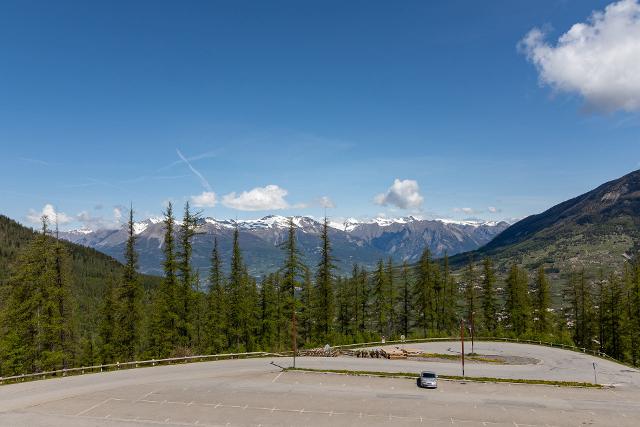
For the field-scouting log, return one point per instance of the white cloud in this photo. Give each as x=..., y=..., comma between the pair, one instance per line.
x=117, y=213
x=493, y=209
x=91, y=222
x=205, y=200
x=404, y=194
x=467, y=211
x=49, y=211
x=270, y=197
x=326, y=202
x=599, y=59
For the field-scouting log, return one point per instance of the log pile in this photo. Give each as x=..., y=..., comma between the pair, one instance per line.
x=320, y=352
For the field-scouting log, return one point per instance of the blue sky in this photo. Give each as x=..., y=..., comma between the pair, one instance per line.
x=301, y=100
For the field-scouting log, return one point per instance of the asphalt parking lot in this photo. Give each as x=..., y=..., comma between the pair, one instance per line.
x=254, y=393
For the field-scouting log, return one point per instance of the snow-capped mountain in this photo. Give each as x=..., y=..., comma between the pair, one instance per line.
x=353, y=241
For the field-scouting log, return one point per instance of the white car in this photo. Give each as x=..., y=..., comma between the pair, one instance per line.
x=428, y=379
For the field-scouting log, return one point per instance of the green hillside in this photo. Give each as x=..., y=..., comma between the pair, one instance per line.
x=89, y=270
x=597, y=230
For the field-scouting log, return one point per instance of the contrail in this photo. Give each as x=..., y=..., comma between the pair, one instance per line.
x=203, y=181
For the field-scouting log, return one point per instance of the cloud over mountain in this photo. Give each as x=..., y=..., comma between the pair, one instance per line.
x=50, y=212
x=270, y=197
x=403, y=194
x=205, y=200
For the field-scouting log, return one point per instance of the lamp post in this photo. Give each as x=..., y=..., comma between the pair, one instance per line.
x=294, y=335
x=462, y=344
x=472, y=329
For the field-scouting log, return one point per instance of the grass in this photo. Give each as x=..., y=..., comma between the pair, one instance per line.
x=449, y=377
x=475, y=357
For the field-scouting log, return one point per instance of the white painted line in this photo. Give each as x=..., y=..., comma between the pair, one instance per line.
x=93, y=407
x=145, y=396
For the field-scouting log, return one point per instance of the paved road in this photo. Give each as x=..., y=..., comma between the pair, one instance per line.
x=253, y=392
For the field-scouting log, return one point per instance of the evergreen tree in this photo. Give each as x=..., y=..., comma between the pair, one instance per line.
x=217, y=313
x=542, y=303
x=489, y=303
x=269, y=313
x=406, y=301
x=392, y=297
x=450, y=305
x=307, y=311
x=63, y=339
x=186, y=279
x=344, y=306
x=517, y=305
x=129, y=301
x=238, y=304
x=164, y=324
x=423, y=289
x=324, y=297
x=108, y=322
x=30, y=319
x=633, y=308
x=381, y=299
x=582, y=310
x=470, y=293
x=292, y=271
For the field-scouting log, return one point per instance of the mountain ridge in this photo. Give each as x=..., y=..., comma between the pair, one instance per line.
x=363, y=242
x=600, y=227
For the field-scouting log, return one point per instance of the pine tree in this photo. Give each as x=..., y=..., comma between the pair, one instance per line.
x=217, y=313
x=406, y=301
x=470, y=293
x=164, y=322
x=186, y=279
x=423, y=289
x=63, y=341
x=582, y=310
x=450, y=305
x=307, y=312
x=633, y=308
x=489, y=303
x=269, y=313
x=108, y=322
x=129, y=301
x=344, y=306
x=381, y=299
x=323, y=292
x=542, y=302
x=250, y=324
x=292, y=271
x=392, y=297
x=28, y=311
x=237, y=299
x=517, y=307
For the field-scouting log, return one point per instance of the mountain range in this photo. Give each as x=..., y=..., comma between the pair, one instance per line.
x=353, y=241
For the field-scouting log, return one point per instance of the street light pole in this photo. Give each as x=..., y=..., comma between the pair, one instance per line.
x=473, y=330
x=294, y=336
x=462, y=343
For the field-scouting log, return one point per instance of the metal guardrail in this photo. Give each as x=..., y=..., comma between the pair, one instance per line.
x=129, y=365
x=516, y=340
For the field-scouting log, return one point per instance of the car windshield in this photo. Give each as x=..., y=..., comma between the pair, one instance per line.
x=428, y=375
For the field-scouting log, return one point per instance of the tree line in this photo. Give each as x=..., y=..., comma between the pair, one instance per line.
x=190, y=312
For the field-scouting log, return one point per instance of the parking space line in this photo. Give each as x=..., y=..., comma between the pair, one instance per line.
x=93, y=407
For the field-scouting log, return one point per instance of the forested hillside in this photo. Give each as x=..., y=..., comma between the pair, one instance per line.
x=87, y=272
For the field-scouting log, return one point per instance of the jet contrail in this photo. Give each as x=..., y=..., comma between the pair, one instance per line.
x=203, y=181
